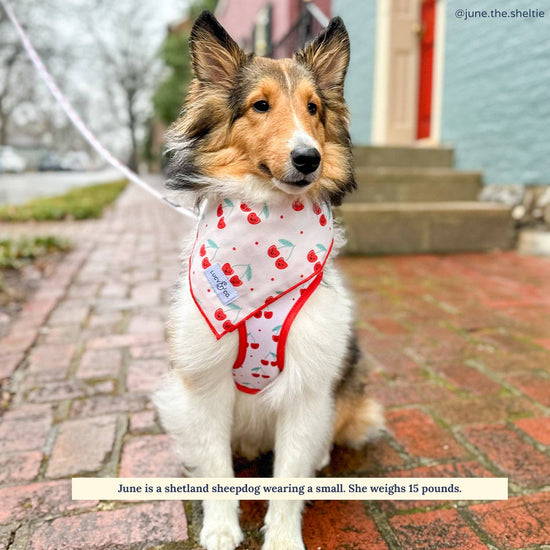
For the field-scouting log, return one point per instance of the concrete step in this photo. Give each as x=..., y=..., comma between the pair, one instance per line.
x=420, y=157
x=413, y=227
x=383, y=184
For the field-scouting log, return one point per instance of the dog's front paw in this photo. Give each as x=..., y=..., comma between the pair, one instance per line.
x=278, y=542
x=220, y=527
x=221, y=537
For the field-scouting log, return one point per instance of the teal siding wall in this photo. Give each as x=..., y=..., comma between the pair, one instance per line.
x=496, y=94
x=360, y=19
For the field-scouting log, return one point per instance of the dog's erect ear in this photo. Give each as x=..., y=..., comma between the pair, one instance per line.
x=328, y=56
x=215, y=56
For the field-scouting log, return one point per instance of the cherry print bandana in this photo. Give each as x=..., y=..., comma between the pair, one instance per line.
x=262, y=339
x=246, y=256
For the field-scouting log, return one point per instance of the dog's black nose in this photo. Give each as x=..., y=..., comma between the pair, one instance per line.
x=305, y=159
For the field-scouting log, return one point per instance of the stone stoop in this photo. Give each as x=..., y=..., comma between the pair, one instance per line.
x=411, y=200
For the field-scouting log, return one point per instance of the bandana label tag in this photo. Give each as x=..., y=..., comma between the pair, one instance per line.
x=220, y=284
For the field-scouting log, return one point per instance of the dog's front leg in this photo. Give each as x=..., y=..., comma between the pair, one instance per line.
x=302, y=441
x=220, y=529
x=200, y=424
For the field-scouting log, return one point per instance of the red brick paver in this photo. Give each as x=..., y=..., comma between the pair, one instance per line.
x=153, y=523
x=441, y=529
x=518, y=523
x=459, y=353
x=82, y=446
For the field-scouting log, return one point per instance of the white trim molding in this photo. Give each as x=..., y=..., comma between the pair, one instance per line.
x=439, y=70
x=381, y=73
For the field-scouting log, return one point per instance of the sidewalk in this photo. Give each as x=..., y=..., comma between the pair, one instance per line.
x=460, y=353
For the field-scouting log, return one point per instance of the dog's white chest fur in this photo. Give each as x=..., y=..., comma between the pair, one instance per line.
x=261, y=129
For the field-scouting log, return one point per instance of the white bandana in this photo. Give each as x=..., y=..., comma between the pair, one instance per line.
x=247, y=256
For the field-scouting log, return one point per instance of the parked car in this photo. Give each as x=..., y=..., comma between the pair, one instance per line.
x=75, y=160
x=50, y=162
x=10, y=161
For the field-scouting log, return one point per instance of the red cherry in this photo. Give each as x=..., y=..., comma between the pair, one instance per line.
x=235, y=281
x=264, y=362
x=253, y=218
x=258, y=314
x=268, y=314
x=245, y=207
x=273, y=251
x=202, y=250
x=317, y=266
x=297, y=205
x=219, y=211
x=221, y=223
x=273, y=363
x=254, y=345
x=206, y=263
x=227, y=269
x=275, y=338
x=269, y=299
x=265, y=375
x=220, y=315
x=316, y=208
x=256, y=375
x=227, y=325
x=311, y=256
x=323, y=220
x=280, y=263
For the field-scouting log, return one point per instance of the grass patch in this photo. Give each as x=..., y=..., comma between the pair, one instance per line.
x=78, y=204
x=14, y=254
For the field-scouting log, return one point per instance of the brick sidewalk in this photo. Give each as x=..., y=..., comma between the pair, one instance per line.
x=460, y=349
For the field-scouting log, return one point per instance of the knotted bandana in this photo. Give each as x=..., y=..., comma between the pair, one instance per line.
x=247, y=256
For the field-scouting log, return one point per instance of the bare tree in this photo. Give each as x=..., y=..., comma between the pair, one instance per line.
x=103, y=56
x=12, y=58
x=130, y=64
x=22, y=95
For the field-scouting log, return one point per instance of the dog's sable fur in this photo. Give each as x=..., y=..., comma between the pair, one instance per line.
x=203, y=142
x=245, y=120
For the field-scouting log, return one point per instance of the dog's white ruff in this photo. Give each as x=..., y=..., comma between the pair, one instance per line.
x=209, y=418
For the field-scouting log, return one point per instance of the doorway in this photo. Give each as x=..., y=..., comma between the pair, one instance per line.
x=408, y=71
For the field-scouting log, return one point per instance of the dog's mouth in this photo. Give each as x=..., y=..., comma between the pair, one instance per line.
x=285, y=184
x=265, y=169
x=300, y=183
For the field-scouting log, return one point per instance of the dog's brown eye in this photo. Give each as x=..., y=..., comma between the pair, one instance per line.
x=261, y=106
x=312, y=108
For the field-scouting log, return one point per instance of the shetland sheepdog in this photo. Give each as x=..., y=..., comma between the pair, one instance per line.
x=257, y=132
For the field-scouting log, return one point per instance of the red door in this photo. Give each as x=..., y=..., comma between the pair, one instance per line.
x=426, y=69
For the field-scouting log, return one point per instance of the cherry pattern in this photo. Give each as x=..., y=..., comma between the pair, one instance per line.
x=223, y=211
x=275, y=251
x=324, y=212
x=317, y=254
x=260, y=364
x=208, y=251
x=255, y=219
x=264, y=251
x=228, y=315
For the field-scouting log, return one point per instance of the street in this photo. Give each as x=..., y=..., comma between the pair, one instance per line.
x=18, y=188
